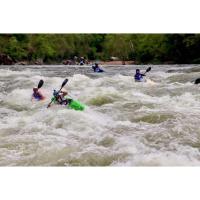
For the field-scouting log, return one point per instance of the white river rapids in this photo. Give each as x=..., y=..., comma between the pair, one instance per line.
x=125, y=123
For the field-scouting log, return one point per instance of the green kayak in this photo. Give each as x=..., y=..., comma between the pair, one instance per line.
x=73, y=104
x=76, y=105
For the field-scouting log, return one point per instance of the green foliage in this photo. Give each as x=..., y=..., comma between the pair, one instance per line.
x=143, y=48
x=118, y=45
x=15, y=49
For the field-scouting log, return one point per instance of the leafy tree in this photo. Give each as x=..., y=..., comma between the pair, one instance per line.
x=143, y=48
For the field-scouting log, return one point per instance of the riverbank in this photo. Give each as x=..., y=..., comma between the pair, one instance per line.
x=120, y=62
x=39, y=62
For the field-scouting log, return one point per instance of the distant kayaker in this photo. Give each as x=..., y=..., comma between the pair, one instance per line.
x=82, y=61
x=37, y=94
x=139, y=76
x=96, y=68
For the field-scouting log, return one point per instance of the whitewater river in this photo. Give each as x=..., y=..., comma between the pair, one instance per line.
x=156, y=123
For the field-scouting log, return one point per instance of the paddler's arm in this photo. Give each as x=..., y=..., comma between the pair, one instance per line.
x=42, y=96
x=32, y=97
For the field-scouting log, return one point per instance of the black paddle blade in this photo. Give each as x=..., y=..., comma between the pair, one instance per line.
x=148, y=69
x=64, y=82
x=197, y=81
x=40, y=84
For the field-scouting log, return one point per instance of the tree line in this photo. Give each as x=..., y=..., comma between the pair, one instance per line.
x=141, y=48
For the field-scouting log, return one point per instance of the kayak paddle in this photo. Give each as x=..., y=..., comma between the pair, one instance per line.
x=63, y=84
x=197, y=81
x=40, y=84
x=148, y=70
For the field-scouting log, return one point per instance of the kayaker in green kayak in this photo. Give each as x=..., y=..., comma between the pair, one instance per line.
x=60, y=98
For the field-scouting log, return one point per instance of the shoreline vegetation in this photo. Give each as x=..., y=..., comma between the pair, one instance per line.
x=106, y=49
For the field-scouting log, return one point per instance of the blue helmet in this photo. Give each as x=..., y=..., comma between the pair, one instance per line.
x=55, y=93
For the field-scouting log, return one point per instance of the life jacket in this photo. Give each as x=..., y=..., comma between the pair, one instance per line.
x=59, y=99
x=138, y=77
x=56, y=97
x=82, y=62
x=96, y=69
x=37, y=96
